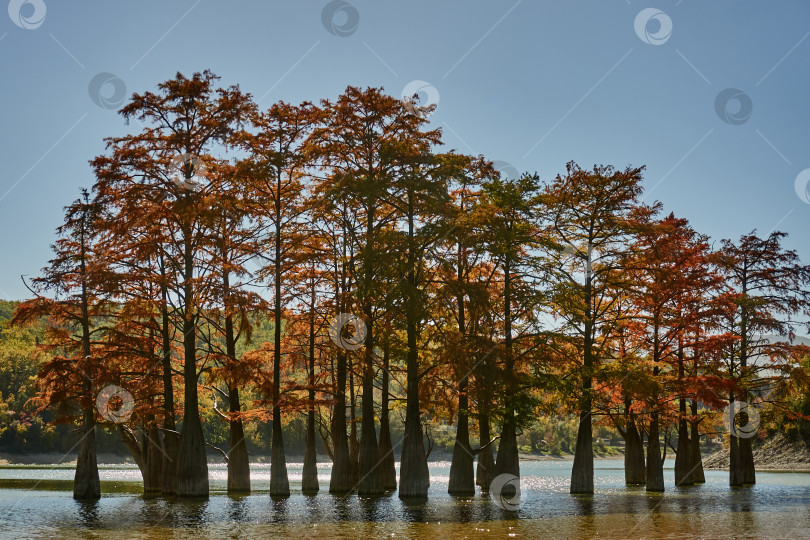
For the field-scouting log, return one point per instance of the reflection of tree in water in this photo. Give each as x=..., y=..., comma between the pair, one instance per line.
x=89, y=513
x=237, y=508
x=280, y=511
x=187, y=513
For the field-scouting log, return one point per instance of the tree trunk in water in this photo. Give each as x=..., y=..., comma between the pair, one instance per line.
x=340, y=481
x=748, y=472
x=485, y=469
x=354, y=443
x=370, y=479
x=508, y=462
x=309, y=478
x=735, y=476
x=634, y=467
x=414, y=478
x=582, y=470
x=655, y=465
x=171, y=441
x=279, y=483
x=86, y=484
x=734, y=466
x=309, y=475
x=152, y=461
x=238, y=460
x=389, y=469
x=697, y=461
x=171, y=445
x=683, y=456
x=192, y=464
x=462, y=481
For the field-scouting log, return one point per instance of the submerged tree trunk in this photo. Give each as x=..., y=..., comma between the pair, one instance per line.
x=462, y=480
x=171, y=441
x=655, y=464
x=309, y=475
x=582, y=470
x=340, y=481
x=86, y=485
x=388, y=465
x=485, y=469
x=734, y=466
x=747, y=470
x=698, y=477
x=683, y=456
x=414, y=478
x=279, y=482
x=462, y=477
x=192, y=464
x=309, y=478
x=370, y=479
x=354, y=443
x=152, y=471
x=508, y=461
x=634, y=466
x=238, y=460
x=735, y=477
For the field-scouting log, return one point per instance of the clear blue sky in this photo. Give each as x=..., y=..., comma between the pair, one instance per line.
x=532, y=83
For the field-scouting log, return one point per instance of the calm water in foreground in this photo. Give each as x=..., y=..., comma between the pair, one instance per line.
x=35, y=502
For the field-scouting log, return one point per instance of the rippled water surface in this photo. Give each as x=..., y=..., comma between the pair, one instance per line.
x=35, y=502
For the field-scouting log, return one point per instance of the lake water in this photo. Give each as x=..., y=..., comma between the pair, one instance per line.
x=35, y=502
